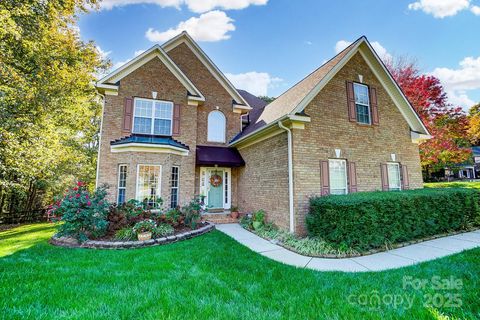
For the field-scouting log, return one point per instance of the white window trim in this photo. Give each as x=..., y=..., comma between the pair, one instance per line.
x=346, y=174
x=118, y=180
x=224, y=127
x=159, y=187
x=152, y=116
x=399, y=176
x=177, y=187
x=363, y=104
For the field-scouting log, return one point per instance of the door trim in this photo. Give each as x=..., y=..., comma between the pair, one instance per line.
x=205, y=185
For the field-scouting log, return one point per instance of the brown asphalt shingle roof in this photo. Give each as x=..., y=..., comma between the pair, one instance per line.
x=288, y=100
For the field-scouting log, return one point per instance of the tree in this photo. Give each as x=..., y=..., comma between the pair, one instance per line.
x=447, y=124
x=474, y=124
x=49, y=110
x=267, y=99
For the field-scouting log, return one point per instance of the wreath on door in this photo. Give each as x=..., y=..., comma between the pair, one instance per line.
x=215, y=179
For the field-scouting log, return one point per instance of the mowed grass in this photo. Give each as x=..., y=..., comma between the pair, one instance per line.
x=212, y=277
x=454, y=184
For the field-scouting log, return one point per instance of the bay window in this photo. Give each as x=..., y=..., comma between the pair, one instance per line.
x=122, y=183
x=148, y=185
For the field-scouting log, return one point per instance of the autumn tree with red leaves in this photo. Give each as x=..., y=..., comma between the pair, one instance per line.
x=448, y=125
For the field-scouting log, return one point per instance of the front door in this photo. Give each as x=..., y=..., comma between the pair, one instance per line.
x=215, y=186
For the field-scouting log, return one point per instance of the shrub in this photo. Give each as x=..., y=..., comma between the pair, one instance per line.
x=193, y=213
x=174, y=217
x=83, y=214
x=144, y=226
x=163, y=230
x=125, y=234
x=369, y=220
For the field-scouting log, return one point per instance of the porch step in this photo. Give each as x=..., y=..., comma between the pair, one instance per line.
x=219, y=218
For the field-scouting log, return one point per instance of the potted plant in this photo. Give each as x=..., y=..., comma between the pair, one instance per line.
x=144, y=229
x=234, y=213
x=258, y=219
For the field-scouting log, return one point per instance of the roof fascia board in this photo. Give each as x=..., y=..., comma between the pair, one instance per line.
x=207, y=62
x=146, y=147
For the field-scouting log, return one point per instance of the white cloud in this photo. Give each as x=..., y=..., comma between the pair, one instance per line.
x=198, y=6
x=211, y=26
x=381, y=51
x=440, y=8
x=254, y=82
x=475, y=10
x=138, y=52
x=103, y=54
x=308, y=43
x=458, y=81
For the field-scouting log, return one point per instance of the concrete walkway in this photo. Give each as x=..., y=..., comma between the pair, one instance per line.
x=391, y=259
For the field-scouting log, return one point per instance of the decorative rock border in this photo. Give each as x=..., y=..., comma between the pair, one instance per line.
x=96, y=244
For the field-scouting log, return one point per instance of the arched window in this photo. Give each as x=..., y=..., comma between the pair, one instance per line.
x=216, y=127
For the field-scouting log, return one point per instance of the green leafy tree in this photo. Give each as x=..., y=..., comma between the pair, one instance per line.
x=49, y=110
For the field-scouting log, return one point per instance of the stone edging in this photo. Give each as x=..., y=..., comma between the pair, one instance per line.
x=365, y=253
x=95, y=244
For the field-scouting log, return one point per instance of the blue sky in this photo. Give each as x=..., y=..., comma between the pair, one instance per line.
x=265, y=46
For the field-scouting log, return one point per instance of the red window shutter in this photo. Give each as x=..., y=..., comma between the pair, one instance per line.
x=325, y=178
x=352, y=177
x=405, y=181
x=176, y=120
x=127, y=115
x=352, y=109
x=374, y=105
x=384, y=175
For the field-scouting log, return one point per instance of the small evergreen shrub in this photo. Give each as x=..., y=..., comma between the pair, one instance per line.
x=162, y=230
x=368, y=220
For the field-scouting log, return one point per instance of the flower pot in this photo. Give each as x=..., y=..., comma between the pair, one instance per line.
x=144, y=236
x=234, y=214
x=257, y=225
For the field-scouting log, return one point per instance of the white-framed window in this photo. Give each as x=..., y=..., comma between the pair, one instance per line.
x=149, y=184
x=394, y=179
x=216, y=126
x=362, y=103
x=122, y=183
x=152, y=117
x=174, y=182
x=337, y=169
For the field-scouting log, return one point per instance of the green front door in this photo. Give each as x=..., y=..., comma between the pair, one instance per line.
x=215, y=194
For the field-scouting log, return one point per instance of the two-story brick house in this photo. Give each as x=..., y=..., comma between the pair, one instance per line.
x=174, y=127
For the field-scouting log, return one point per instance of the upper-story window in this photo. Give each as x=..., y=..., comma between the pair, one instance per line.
x=362, y=103
x=152, y=117
x=216, y=127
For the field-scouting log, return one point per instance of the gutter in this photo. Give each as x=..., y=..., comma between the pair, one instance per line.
x=99, y=139
x=290, y=175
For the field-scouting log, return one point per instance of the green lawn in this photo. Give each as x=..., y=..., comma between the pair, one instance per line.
x=211, y=276
x=455, y=184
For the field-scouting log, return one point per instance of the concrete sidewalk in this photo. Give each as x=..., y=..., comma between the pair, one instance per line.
x=391, y=259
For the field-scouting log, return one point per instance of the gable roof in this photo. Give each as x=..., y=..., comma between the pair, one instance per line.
x=294, y=100
x=184, y=37
x=110, y=81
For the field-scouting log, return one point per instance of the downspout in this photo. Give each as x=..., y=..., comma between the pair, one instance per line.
x=290, y=175
x=99, y=139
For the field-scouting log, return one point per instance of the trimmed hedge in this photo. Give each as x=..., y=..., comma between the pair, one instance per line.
x=368, y=220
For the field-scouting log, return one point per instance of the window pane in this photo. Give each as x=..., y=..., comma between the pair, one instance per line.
x=174, y=188
x=148, y=185
x=163, y=110
x=142, y=125
x=394, y=182
x=162, y=127
x=338, y=176
x=143, y=108
x=363, y=116
x=121, y=196
x=216, y=127
x=361, y=93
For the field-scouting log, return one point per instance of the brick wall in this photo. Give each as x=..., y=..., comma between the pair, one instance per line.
x=368, y=146
x=263, y=182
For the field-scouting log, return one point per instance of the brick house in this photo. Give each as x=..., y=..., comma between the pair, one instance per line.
x=174, y=127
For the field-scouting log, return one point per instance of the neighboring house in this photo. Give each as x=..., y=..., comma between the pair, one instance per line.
x=468, y=170
x=174, y=127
